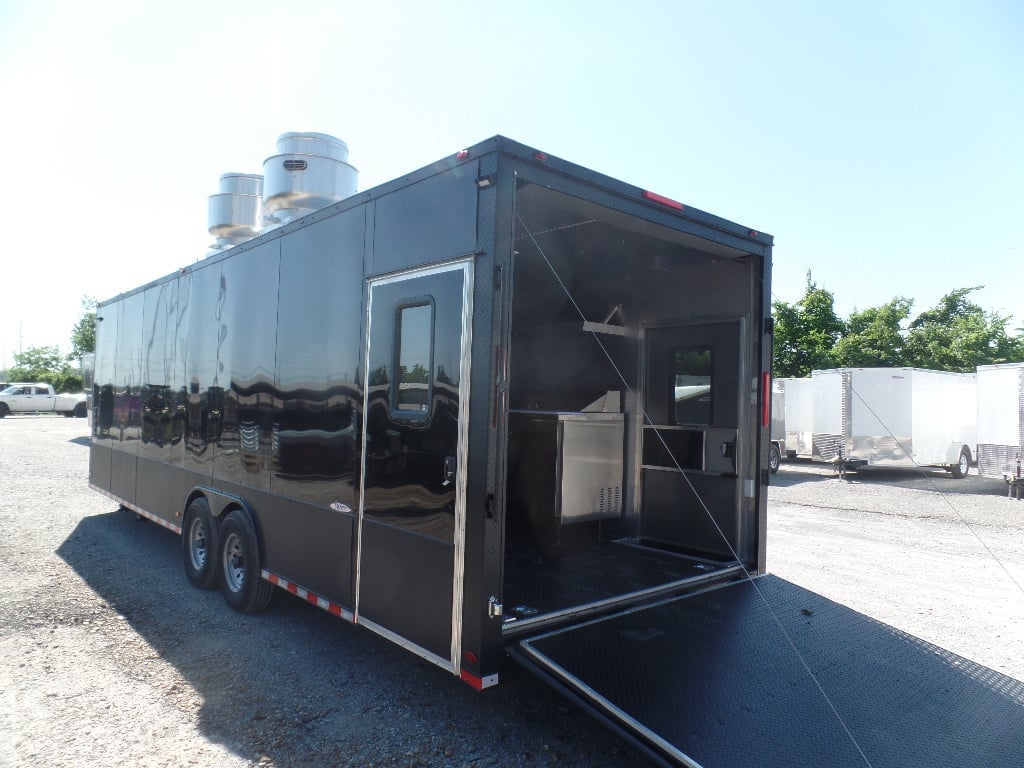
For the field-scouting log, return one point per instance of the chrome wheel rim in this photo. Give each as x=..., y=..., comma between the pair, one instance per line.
x=234, y=563
x=198, y=547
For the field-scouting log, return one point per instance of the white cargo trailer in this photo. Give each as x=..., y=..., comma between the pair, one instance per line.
x=1001, y=422
x=777, y=447
x=798, y=394
x=895, y=417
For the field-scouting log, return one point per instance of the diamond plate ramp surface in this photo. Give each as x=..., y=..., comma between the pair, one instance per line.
x=711, y=680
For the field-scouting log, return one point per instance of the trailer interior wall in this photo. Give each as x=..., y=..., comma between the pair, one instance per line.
x=676, y=353
x=1000, y=419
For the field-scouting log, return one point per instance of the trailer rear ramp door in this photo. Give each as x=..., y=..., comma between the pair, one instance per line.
x=711, y=680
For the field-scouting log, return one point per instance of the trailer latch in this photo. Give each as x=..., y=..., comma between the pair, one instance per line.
x=494, y=608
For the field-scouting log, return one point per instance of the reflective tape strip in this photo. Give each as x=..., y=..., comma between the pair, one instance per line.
x=138, y=510
x=479, y=683
x=310, y=597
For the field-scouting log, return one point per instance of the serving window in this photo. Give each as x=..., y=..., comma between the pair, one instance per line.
x=691, y=372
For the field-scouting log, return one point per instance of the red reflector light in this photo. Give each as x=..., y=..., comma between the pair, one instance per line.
x=766, y=399
x=462, y=154
x=656, y=198
x=471, y=657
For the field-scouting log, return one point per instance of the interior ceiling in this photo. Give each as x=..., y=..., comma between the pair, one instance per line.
x=550, y=216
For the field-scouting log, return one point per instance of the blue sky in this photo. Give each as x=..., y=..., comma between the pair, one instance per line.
x=881, y=143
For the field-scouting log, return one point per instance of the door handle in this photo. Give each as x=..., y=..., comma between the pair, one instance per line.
x=449, y=470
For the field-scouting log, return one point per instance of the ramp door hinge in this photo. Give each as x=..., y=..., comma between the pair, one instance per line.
x=494, y=608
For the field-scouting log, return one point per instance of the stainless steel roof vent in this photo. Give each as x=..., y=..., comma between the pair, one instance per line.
x=310, y=171
x=235, y=213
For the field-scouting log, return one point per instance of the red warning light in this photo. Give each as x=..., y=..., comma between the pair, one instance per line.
x=766, y=398
x=656, y=198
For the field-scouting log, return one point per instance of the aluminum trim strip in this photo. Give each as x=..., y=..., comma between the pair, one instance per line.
x=517, y=627
x=604, y=704
x=397, y=639
x=461, y=470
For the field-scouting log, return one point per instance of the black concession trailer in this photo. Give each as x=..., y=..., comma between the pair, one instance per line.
x=501, y=406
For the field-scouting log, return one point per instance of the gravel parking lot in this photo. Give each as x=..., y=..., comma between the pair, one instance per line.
x=108, y=656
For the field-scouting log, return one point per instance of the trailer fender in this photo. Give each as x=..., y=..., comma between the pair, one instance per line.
x=222, y=503
x=958, y=459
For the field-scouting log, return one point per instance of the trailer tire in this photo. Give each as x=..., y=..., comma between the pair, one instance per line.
x=80, y=411
x=774, y=458
x=963, y=464
x=4, y=410
x=199, y=532
x=241, y=583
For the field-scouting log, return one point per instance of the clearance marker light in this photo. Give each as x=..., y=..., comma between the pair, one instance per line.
x=656, y=198
x=462, y=154
x=766, y=398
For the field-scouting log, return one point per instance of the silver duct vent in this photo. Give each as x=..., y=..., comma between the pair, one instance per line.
x=309, y=172
x=235, y=213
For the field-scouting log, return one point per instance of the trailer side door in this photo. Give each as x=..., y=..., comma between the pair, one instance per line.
x=412, y=509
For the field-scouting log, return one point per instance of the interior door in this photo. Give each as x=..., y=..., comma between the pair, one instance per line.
x=412, y=509
x=691, y=398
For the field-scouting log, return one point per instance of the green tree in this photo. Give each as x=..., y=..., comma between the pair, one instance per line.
x=45, y=364
x=874, y=336
x=806, y=332
x=418, y=374
x=83, y=335
x=958, y=335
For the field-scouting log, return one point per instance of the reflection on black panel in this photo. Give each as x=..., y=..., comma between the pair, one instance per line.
x=415, y=325
x=204, y=330
x=412, y=417
x=244, y=367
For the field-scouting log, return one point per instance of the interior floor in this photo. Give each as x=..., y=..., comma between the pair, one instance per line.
x=569, y=577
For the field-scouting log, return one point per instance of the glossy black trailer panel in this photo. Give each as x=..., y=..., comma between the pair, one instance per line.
x=715, y=680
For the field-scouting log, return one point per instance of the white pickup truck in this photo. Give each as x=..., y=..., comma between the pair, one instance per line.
x=39, y=398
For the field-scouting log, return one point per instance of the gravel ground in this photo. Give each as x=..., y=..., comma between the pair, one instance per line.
x=109, y=657
x=939, y=558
